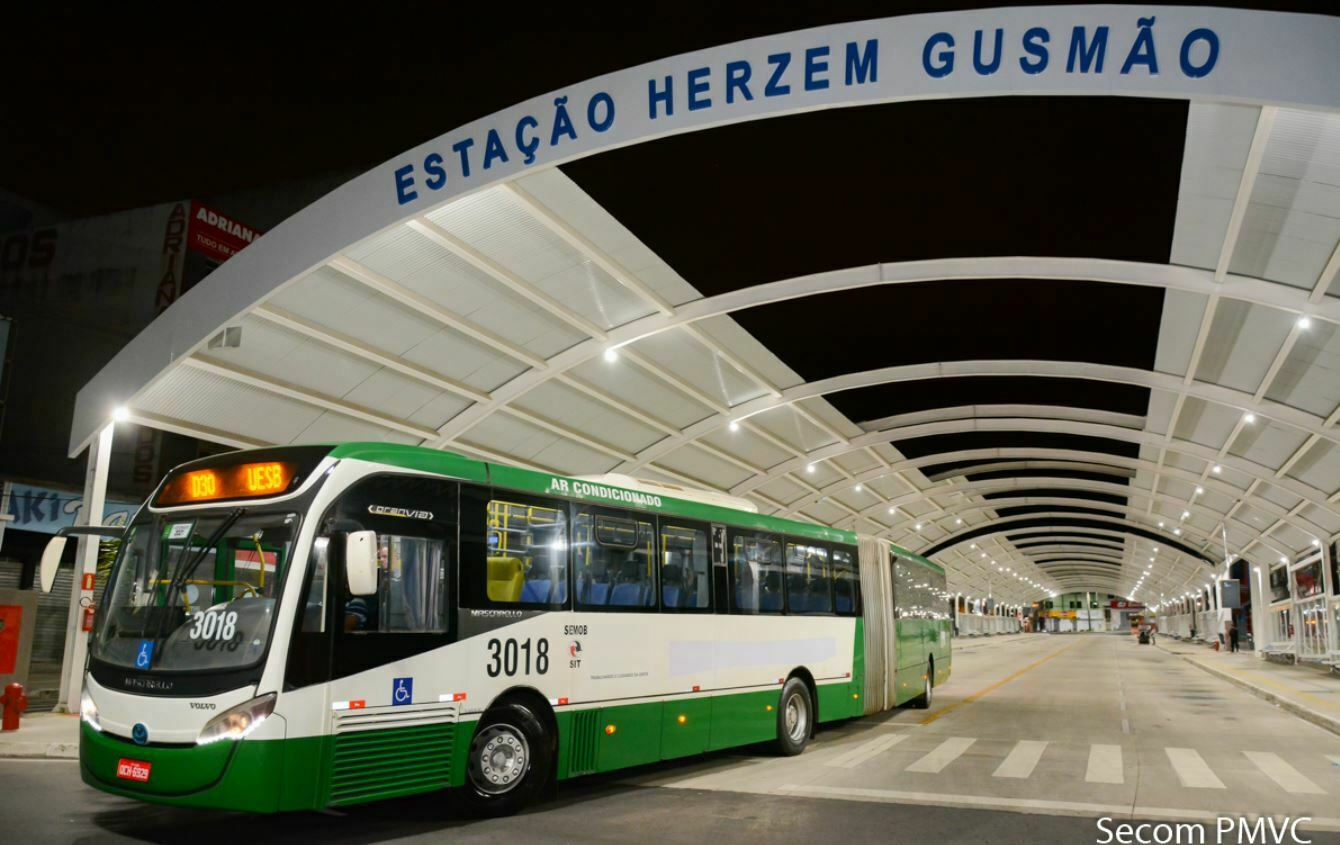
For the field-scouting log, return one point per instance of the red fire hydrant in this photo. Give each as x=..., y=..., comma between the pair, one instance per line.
x=13, y=702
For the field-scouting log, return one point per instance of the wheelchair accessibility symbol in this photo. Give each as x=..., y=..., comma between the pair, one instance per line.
x=402, y=691
x=145, y=654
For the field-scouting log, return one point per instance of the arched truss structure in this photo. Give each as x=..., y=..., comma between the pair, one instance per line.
x=523, y=322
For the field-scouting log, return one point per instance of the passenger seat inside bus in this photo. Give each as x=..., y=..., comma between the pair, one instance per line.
x=673, y=593
x=505, y=579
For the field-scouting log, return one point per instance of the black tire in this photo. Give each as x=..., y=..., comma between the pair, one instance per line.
x=923, y=701
x=795, y=718
x=510, y=758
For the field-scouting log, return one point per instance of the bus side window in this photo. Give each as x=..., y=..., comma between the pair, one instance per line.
x=314, y=608
x=613, y=560
x=756, y=573
x=686, y=572
x=846, y=584
x=414, y=519
x=527, y=554
x=808, y=588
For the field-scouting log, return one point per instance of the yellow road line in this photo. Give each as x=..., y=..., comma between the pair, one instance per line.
x=1002, y=682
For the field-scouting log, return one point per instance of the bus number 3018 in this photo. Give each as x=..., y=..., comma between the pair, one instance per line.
x=506, y=657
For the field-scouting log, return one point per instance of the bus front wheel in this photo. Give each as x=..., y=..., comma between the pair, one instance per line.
x=795, y=717
x=509, y=761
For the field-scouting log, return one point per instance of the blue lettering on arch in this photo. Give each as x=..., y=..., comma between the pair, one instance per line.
x=944, y=60
x=816, y=62
x=737, y=77
x=780, y=62
x=437, y=174
x=404, y=185
x=698, y=85
x=1088, y=53
x=665, y=96
x=1034, y=41
x=862, y=66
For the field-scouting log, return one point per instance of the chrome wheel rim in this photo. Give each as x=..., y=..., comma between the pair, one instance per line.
x=797, y=717
x=501, y=759
x=929, y=687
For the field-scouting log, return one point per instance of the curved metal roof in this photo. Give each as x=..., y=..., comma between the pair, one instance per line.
x=731, y=308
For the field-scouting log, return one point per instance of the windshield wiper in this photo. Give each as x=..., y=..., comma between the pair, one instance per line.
x=179, y=577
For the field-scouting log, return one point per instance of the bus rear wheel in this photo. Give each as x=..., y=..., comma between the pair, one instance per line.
x=923, y=702
x=509, y=761
x=795, y=718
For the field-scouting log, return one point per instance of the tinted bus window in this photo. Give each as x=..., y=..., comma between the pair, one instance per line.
x=846, y=583
x=527, y=553
x=808, y=584
x=755, y=573
x=613, y=560
x=686, y=575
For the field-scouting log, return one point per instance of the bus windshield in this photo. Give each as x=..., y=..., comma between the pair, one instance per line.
x=195, y=590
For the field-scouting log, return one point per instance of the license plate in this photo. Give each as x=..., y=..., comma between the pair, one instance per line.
x=133, y=770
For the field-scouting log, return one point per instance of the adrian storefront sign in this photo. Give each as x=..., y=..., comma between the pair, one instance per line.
x=215, y=236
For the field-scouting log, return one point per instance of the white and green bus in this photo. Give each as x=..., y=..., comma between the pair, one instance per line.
x=301, y=627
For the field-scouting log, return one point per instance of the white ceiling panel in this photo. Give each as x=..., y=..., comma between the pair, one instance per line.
x=748, y=447
x=695, y=364
x=331, y=299
x=1320, y=467
x=744, y=348
x=1203, y=423
x=336, y=428
x=1217, y=140
x=794, y=428
x=1292, y=224
x=1243, y=341
x=574, y=410
x=1267, y=444
x=556, y=192
x=292, y=358
x=1277, y=495
x=1182, y=313
x=1310, y=377
x=223, y=404
x=696, y=463
x=456, y=357
x=417, y=263
x=496, y=224
x=642, y=390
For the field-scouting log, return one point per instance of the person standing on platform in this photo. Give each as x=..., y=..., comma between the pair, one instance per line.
x=1232, y=636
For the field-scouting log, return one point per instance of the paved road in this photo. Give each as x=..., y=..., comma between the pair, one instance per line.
x=1032, y=740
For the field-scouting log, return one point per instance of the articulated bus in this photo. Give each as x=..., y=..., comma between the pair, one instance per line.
x=312, y=626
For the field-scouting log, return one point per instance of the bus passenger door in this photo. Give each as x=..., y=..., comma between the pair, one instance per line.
x=909, y=642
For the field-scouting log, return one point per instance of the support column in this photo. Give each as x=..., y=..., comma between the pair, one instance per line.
x=86, y=564
x=1260, y=609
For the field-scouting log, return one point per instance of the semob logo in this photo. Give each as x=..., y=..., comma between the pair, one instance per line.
x=1239, y=830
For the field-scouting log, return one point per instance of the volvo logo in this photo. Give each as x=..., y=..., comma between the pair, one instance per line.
x=140, y=733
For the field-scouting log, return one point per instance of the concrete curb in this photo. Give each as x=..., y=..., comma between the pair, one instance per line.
x=39, y=751
x=1321, y=720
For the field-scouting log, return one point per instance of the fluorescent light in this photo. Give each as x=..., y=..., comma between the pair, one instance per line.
x=120, y=413
x=611, y=354
x=1304, y=322
x=734, y=425
x=1249, y=418
x=810, y=469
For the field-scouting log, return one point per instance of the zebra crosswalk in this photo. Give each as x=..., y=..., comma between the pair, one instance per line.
x=1104, y=763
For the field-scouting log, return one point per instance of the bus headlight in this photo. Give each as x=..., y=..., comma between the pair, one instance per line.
x=237, y=722
x=88, y=711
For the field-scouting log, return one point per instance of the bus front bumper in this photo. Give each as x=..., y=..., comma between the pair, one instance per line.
x=262, y=776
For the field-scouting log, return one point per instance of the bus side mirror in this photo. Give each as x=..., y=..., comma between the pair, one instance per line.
x=360, y=562
x=51, y=556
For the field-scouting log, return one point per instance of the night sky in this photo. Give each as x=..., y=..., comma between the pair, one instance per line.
x=103, y=111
